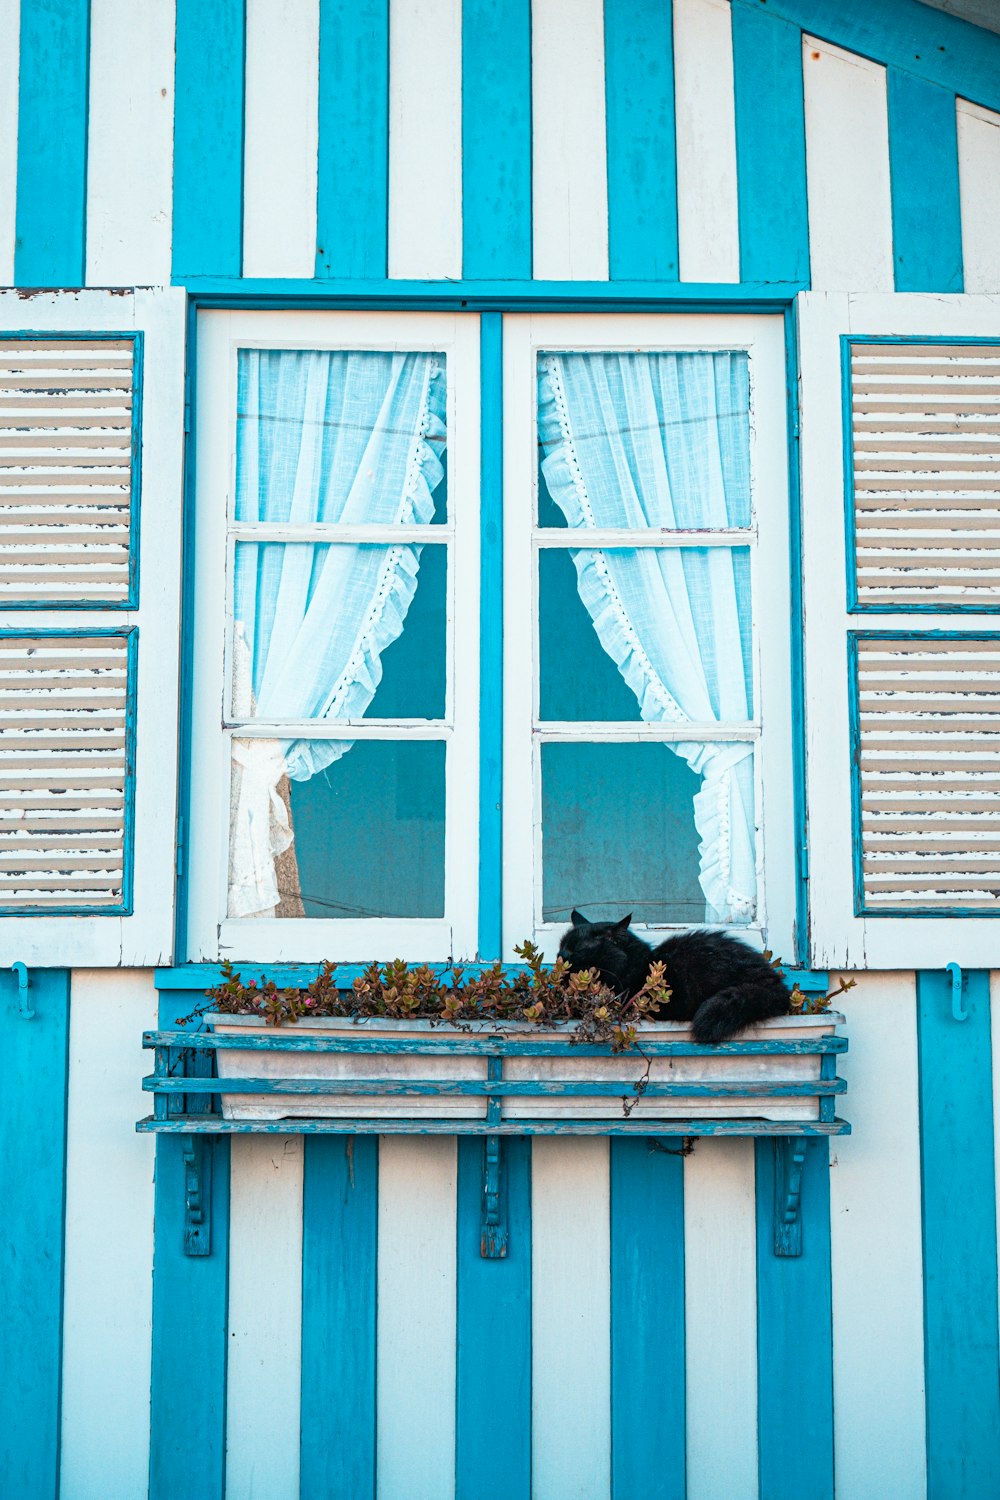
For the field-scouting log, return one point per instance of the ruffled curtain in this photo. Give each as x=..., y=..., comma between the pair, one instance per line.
x=354, y=438
x=662, y=441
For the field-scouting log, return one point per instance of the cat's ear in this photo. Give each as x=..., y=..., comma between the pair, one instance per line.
x=578, y=919
x=624, y=925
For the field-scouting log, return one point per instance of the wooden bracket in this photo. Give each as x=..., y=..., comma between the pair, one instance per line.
x=789, y=1162
x=197, y=1194
x=493, y=1239
x=24, y=1007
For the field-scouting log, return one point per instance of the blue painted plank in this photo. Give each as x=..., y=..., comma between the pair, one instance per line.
x=496, y=138
x=339, y=1254
x=51, y=212
x=208, y=138
x=648, y=1454
x=32, y=1186
x=795, y=1338
x=770, y=147
x=352, y=201
x=642, y=158
x=493, y=1344
x=923, y=171
x=491, y=637
x=187, y=1455
x=494, y=293
x=960, y=1245
x=906, y=34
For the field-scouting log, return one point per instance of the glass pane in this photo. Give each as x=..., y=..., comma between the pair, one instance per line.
x=619, y=833
x=339, y=631
x=354, y=828
x=656, y=633
x=334, y=435
x=639, y=440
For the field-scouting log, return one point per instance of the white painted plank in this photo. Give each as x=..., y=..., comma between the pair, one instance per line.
x=707, y=209
x=847, y=170
x=107, y=1310
x=130, y=142
x=875, y=1230
x=280, y=153
x=425, y=138
x=979, y=185
x=417, y=1208
x=570, y=1318
x=265, y=1318
x=569, y=141
x=720, y=1311
x=10, y=55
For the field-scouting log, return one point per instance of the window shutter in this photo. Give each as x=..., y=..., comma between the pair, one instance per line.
x=900, y=469
x=91, y=415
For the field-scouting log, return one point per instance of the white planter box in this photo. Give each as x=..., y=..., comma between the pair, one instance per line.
x=721, y=1067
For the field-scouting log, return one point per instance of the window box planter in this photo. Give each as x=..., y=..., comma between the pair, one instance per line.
x=378, y=1069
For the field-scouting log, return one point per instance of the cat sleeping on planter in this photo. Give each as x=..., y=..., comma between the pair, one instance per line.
x=717, y=983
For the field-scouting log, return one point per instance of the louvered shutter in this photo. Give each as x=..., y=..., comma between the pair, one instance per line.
x=900, y=469
x=91, y=417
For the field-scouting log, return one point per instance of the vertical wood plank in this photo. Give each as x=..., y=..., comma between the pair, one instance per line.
x=208, y=138
x=878, y=1333
x=130, y=148
x=493, y=1343
x=707, y=204
x=352, y=215
x=491, y=545
x=794, y=1337
x=847, y=168
x=770, y=147
x=496, y=138
x=279, y=159
x=416, y=1318
x=265, y=1316
x=571, y=1313
x=10, y=67
x=107, y=1316
x=995, y=1038
x=923, y=168
x=960, y=1239
x=979, y=177
x=187, y=1458
x=32, y=1182
x=642, y=157
x=339, y=1257
x=721, y=1319
x=647, y=1321
x=425, y=134
x=569, y=141
x=50, y=249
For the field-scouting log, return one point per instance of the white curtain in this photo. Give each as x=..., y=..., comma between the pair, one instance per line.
x=662, y=441
x=355, y=438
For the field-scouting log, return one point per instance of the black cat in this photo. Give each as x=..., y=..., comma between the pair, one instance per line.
x=718, y=983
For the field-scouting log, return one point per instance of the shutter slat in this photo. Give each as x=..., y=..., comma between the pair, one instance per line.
x=63, y=773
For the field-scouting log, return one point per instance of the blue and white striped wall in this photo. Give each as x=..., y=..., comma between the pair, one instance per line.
x=796, y=141
x=345, y=1338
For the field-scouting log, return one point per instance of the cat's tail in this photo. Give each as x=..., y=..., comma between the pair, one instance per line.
x=730, y=1010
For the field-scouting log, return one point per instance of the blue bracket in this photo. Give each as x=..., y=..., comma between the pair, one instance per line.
x=24, y=1009
x=197, y=1153
x=493, y=1237
x=789, y=1161
x=958, y=1010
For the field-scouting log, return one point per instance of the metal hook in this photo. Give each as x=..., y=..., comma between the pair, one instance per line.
x=24, y=1009
x=958, y=1010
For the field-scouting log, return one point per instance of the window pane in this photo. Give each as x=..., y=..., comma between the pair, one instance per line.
x=643, y=440
x=333, y=435
x=656, y=633
x=353, y=828
x=622, y=832
x=338, y=631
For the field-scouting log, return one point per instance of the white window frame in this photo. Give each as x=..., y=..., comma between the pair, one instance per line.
x=762, y=337
x=211, y=933
x=838, y=937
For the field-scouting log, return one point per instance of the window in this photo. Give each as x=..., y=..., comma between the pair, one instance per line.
x=336, y=779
